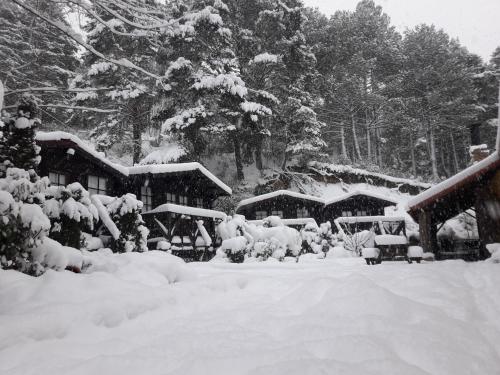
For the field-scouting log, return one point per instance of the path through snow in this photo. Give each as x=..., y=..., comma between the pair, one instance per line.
x=317, y=317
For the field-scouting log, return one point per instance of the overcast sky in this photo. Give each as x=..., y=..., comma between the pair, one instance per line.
x=476, y=23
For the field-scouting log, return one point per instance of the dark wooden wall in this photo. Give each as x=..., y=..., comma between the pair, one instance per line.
x=372, y=206
x=287, y=204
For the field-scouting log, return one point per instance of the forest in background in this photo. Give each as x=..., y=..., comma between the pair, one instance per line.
x=268, y=81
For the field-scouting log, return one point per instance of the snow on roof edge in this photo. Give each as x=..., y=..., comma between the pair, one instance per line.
x=450, y=182
x=273, y=194
x=348, y=168
x=186, y=210
x=178, y=167
x=360, y=192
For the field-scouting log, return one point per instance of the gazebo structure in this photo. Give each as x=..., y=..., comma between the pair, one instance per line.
x=476, y=188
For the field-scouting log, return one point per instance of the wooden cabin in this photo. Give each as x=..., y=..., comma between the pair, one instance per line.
x=357, y=203
x=476, y=188
x=66, y=159
x=283, y=203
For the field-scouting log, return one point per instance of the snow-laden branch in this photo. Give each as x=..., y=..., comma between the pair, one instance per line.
x=80, y=108
x=57, y=89
x=77, y=38
x=162, y=25
x=94, y=15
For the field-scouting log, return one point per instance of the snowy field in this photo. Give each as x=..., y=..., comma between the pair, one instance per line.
x=152, y=314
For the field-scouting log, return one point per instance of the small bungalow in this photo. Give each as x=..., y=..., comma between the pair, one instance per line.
x=283, y=203
x=475, y=190
x=357, y=203
x=67, y=159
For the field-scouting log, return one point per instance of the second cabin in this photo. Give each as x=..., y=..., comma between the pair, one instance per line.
x=283, y=203
x=357, y=203
x=291, y=205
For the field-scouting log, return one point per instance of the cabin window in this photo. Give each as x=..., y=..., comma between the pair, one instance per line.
x=346, y=213
x=97, y=185
x=277, y=213
x=199, y=202
x=147, y=198
x=259, y=215
x=361, y=213
x=302, y=212
x=57, y=179
x=171, y=198
x=183, y=200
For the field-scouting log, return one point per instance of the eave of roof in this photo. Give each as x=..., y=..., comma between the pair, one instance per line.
x=360, y=192
x=186, y=210
x=278, y=193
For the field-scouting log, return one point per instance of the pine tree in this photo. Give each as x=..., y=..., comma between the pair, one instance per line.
x=124, y=94
x=22, y=149
x=206, y=93
x=35, y=55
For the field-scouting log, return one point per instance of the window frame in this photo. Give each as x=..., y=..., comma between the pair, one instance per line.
x=302, y=213
x=260, y=215
x=99, y=190
x=146, y=198
x=58, y=175
x=278, y=213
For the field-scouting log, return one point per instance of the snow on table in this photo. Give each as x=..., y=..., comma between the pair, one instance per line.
x=152, y=314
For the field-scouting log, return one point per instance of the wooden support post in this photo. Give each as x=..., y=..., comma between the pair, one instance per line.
x=428, y=232
x=487, y=207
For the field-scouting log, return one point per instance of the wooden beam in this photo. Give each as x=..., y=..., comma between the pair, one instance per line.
x=428, y=232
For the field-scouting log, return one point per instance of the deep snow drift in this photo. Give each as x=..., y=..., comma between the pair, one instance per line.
x=152, y=314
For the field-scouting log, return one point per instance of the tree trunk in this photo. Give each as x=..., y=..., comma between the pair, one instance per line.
x=137, y=139
x=412, y=152
x=368, y=142
x=379, y=150
x=136, y=136
x=433, y=156
x=342, y=142
x=355, y=138
x=454, y=151
x=237, y=157
x=258, y=153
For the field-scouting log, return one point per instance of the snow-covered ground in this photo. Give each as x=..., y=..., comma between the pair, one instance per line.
x=152, y=314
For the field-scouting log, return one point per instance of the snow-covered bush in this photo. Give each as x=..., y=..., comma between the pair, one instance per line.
x=242, y=239
x=318, y=239
x=125, y=212
x=494, y=249
x=51, y=254
x=71, y=212
x=23, y=227
x=359, y=240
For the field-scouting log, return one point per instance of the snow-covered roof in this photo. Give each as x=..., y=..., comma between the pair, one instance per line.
x=338, y=168
x=278, y=193
x=178, y=167
x=135, y=170
x=288, y=222
x=86, y=147
x=455, y=182
x=360, y=192
x=186, y=210
x=368, y=219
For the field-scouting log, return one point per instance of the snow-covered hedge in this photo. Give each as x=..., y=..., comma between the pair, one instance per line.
x=71, y=213
x=318, y=240
x=241, y=240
